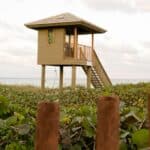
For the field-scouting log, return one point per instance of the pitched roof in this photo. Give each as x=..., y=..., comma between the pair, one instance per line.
x=65, y=20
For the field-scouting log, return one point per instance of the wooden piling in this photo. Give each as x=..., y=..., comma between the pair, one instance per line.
x=61, y=76
x=73, y=77
x=75, y=42
x=47, y=126
x=107, y=134
x=43, y=77
x=88, y=77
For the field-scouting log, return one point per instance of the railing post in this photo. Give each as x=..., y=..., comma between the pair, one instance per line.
x=85, y=52
x=88, y=53
x=47, y=126
x=80, y=53
x=107, y=134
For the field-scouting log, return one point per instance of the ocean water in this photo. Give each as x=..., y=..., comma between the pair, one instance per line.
x=54, y=82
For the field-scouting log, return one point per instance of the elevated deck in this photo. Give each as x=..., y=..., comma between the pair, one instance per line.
x=88, y=57
x=82, y=57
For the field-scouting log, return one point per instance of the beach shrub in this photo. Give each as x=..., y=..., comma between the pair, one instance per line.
x=18, y=106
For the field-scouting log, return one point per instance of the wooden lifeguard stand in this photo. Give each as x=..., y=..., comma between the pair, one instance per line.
x=58, y=46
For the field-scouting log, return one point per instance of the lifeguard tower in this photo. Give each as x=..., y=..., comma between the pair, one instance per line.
x=58, y=46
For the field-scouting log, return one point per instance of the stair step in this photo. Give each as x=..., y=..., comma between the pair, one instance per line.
x=95, y=77
x=96, y=81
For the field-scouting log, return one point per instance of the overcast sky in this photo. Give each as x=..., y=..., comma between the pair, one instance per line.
x=124, y=50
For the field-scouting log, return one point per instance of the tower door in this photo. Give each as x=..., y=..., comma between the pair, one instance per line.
x=69, y=45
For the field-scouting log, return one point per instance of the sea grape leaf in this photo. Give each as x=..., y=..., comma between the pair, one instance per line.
x=4, y=102
x=124, y=134
x=141, y=138
x=59, y=147
x=76, y=147
x=19, y=116
x=12, y=120
x=89, y=132
x=123, y=145
x=131, y=118
x=2, y=122
x=15, y=146
x=77, y=119
x=22, y=129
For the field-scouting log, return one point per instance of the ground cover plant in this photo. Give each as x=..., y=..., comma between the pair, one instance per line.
x=18, y=106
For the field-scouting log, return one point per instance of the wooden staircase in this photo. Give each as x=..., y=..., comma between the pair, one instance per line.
x=99, y=77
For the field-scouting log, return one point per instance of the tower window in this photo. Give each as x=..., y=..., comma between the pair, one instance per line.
x=50, y=36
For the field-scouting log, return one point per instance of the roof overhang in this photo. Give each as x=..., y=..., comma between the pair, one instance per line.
x=84, y=27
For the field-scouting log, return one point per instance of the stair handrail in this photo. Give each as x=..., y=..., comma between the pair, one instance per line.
x=103, y=70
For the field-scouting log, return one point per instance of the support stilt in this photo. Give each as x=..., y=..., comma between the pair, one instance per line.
x=73, y=77
x=43, y=77
x=61, y=78
x=75, y=42
x=92, y=44
x=88, y=76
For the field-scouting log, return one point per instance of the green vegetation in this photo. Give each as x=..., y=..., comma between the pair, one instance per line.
x=18, y=106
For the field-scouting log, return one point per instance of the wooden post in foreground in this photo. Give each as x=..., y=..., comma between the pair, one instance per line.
x=148, y=107
x=107, y=134
x=43, y=77
x=47, y=126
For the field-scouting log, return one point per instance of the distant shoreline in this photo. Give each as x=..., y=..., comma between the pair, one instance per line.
x=54, y=82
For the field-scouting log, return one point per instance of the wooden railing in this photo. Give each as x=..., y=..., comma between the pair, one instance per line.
x=83, y=52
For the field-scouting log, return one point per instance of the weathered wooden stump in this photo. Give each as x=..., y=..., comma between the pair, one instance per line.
x=107, y=134
x=47, y=129
x=148, y=107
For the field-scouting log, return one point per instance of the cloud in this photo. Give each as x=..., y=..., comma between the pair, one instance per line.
x=19, y=1
x=125, y=64
x=18, y=31
x=16, y=40
x=118, y=5
x=20, y=52
x=123, y=50
x=143, y=5
x=146, y=44
x=10, y=27
x=122, y=58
